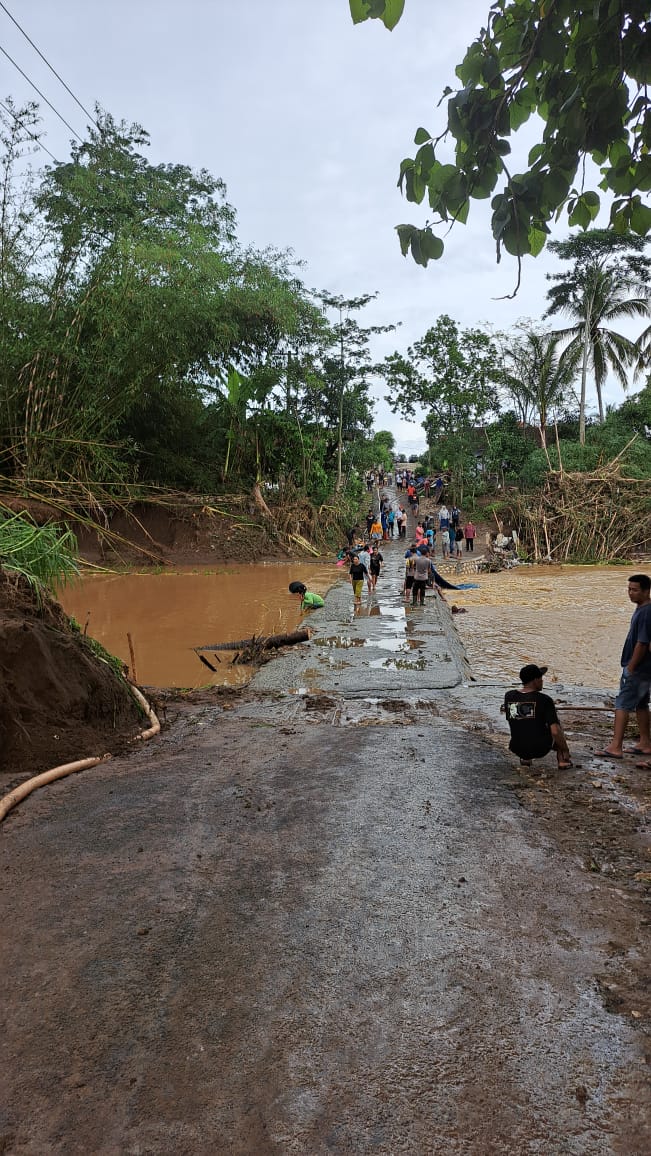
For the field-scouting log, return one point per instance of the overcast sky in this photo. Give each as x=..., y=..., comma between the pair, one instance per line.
x=306, y=118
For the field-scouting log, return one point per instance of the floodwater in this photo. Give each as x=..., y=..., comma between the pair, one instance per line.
x=573, y=619
x=168, y=613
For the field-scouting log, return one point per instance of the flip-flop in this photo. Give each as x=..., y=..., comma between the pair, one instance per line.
x=565, y=766
x=638, y=751
x=645, y=766
x=608, y=755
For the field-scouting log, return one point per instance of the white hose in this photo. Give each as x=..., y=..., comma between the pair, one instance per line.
x=8, y=802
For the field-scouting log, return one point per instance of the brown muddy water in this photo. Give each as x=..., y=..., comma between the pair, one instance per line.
x=573, y=619
x=170, y=612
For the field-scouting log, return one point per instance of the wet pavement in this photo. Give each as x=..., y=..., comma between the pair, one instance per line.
x=317, y=919
x=384, y=646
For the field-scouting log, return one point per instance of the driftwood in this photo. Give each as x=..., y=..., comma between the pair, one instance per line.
x=270, y=642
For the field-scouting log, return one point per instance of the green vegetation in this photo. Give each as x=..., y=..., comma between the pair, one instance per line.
x=46, y=556
x=144, y=346
x=583, y=67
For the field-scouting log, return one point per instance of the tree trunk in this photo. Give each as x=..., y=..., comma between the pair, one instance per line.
x=260, y=502
x=261, y=642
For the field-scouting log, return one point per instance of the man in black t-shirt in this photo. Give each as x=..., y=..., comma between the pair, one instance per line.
x=533, y=721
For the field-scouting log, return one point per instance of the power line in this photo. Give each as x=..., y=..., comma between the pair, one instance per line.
x=33, y=135
x=46, y=61
x=41, y=94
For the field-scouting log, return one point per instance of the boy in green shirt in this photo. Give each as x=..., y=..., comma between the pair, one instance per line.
x=309, y=601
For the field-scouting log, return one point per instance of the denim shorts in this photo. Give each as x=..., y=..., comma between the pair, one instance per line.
x=633, y=692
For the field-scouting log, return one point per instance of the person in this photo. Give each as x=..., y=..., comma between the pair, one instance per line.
x=391, y=518
x=444, y=518
x=309, y=601
x=410, y=558
x=351, y=534
x=370, y=518
x=455, y=516
x=635, y=681
x=376, y=528
x=458, y=539
x=358, y=573
x=421, y=574
x=445, y=542
x=376, y=566
x=364, y=556
x=533, y=721
x=470, y=533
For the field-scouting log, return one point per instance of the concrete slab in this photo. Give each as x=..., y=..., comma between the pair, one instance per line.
x=381, y=647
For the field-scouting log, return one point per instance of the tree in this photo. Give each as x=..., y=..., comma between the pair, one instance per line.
x=348, y=367
x=537, y=376
x=608, y=281
x=131, y=314
x=583, y=66
x=452, y=374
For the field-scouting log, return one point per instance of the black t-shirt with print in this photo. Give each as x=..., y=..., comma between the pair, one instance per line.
x=530, y=715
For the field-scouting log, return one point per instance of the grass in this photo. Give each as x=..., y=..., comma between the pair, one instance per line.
x=46, y=556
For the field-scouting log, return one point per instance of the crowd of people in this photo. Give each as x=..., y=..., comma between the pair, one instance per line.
x=531, y=715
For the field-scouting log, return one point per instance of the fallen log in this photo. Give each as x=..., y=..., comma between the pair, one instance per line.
x=270, y=642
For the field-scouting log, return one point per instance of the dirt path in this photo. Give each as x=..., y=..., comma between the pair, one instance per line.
x=322, y=923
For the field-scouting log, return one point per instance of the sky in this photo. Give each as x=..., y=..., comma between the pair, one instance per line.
x=306, y=118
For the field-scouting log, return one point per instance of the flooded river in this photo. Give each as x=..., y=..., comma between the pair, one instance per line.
x=170, y=612
x=571, y=618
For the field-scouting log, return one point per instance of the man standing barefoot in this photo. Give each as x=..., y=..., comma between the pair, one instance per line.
x=636, y=672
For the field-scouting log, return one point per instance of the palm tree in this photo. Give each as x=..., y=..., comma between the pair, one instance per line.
x=538, y=377
x=596, y=294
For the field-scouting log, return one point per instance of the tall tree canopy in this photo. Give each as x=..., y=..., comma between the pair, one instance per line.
x=584, y=67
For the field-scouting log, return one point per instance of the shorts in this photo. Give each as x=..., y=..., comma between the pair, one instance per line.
x=358, y=587
x=409, y=581
x=633, y=692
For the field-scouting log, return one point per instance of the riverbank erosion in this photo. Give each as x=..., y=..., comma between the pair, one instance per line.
x=170, y=528
x=328, y=914
x=59, y=701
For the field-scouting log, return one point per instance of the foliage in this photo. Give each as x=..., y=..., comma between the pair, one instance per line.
x=452, y=374
x=537, y=377
x=508, y=449
x=346, y=368
x=133, y=311
x=45, y=555
x=607, y=282
x=583, y=67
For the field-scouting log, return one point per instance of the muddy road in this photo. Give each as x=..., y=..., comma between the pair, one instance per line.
x=333, y=922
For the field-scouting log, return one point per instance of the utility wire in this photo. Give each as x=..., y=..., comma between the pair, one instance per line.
x=46, y=61
x=33, y=136
x=41, y=94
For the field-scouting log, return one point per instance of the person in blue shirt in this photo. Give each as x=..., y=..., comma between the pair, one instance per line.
x=635, y=683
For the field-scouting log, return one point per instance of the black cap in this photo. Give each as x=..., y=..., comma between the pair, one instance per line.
x=528, y=673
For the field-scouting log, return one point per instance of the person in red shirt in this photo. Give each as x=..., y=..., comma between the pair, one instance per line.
x=470, y=533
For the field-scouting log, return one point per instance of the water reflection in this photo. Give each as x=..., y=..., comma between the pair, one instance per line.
x=168, y=613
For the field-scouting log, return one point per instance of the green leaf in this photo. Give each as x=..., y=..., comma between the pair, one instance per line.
x=422, y=136
x=388, y=11
x=359, y=11
x=536, y=240
x=640, y=218
x=431, y=246
x=405, y=233
x=518, y=114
